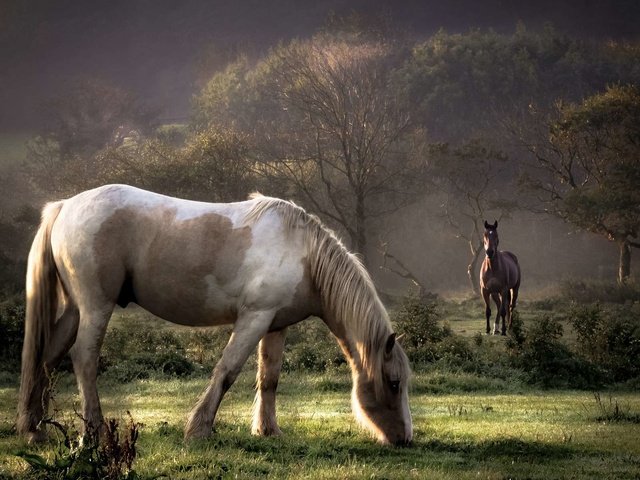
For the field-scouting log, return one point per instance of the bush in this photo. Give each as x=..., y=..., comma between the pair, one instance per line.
x=609, y=338
x=582, y=292
x=548, y=362
x=310, y=346
x=424, y=339
x=145, y=365
x=12, y=312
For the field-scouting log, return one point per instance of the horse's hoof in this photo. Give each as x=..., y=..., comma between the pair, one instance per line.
x=267, y=432
x=197, y=433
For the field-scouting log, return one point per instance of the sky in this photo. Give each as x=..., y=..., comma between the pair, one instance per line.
x=152, y=47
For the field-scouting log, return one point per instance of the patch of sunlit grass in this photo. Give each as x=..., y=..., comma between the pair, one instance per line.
x=457, y=435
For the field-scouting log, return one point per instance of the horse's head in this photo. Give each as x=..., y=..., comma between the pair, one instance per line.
x=491, y=238
x=381, y=402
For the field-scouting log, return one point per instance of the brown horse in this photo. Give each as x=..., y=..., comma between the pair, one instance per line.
x=499, y=279
x=261, y=265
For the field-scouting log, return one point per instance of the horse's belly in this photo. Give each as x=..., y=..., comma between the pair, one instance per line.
x=191, y=303
x=494, y=285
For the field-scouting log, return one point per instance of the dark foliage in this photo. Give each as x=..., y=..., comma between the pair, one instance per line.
x=609, y=338
x=584, y=291
x=310, y=346
x=11, y=332
x=547, y=361
x=424, y=339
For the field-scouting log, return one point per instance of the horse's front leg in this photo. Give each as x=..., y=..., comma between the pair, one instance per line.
x=250, y=327
x=487, y=308
x=269, y=364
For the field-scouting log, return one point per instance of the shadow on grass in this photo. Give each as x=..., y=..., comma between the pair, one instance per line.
x=344, y=445
x=232, y=450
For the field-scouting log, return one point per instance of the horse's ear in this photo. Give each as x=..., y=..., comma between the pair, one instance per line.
x=391, y=341
x=495, y=225
x=486, y=225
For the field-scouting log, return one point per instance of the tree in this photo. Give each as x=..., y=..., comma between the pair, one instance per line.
x=90, y=116
x=349, y=131
x=589, y=158
x=473, y=180
x=465, y=84
x=212, y=165
x=332, y=131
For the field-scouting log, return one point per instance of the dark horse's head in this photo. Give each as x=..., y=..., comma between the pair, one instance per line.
x=491, y=238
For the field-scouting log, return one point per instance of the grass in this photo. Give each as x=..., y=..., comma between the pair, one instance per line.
x=478, y=434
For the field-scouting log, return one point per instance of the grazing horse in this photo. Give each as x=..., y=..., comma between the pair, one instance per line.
x=261, y=265
x=499, y=279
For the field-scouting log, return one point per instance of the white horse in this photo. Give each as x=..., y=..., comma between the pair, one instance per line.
x=262, y=265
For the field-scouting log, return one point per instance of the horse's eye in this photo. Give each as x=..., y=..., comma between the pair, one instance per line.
x=394, y=386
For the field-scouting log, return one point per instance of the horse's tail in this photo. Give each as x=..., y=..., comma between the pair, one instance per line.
x=41, y=307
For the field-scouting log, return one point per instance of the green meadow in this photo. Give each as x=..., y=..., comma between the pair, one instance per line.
x=477, y=434
x=516, y=433
x=491, y=422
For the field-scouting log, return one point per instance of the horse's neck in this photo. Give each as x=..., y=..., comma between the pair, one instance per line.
x=495, y=262
x=357, y=344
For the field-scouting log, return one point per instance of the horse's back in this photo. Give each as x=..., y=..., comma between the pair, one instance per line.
x=189, y=262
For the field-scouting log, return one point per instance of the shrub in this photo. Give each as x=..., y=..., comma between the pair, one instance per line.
x=610, y=338
x=424, y=339
x=516, y=336
x=581, y=291
x=310, y=346
x=145, y=365
x=136, y=351
x=12, y=312
x=548, y=362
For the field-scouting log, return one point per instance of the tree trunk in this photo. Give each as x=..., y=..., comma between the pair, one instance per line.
x=624, y=264
x=472, y=269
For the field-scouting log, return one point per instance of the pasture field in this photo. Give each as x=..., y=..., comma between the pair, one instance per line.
x=495, y=431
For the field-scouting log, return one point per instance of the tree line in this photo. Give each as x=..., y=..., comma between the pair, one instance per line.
x=358, y=121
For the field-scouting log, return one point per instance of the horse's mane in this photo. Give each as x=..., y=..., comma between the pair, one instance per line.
x=345, y=287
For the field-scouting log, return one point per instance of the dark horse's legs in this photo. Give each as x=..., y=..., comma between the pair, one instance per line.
x=505, y=310
x=514, y=299
x=498, y=302
x=487, y=308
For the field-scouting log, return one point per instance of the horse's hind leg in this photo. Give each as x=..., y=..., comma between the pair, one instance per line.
x=250, y=327
x=514, y=297
x=62, y=337
x=84, y=354
x=498, y=302
x=269, y=365
x=505, y=311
